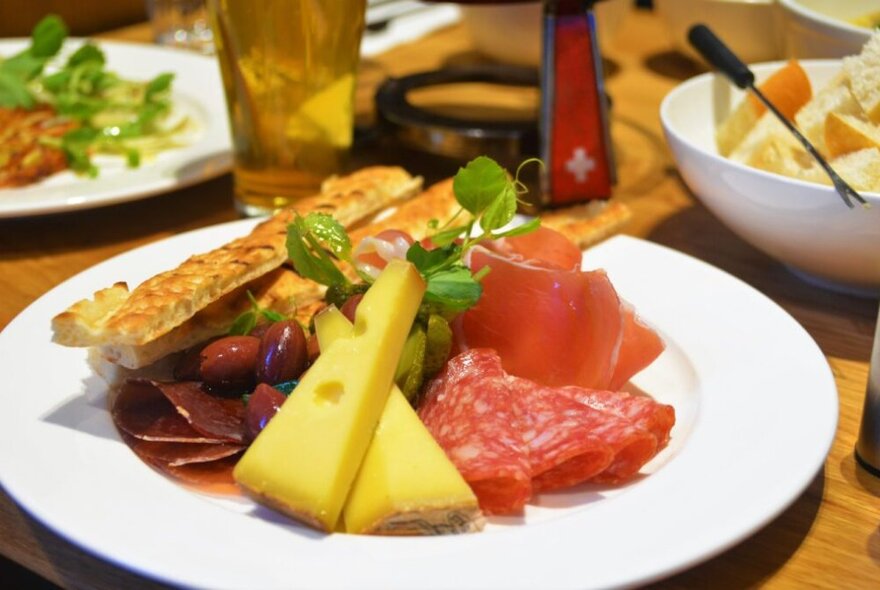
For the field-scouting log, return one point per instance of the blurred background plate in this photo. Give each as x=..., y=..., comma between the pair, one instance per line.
x=197, y=90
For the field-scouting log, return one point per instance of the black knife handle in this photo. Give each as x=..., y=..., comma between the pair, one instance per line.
x=719, y=55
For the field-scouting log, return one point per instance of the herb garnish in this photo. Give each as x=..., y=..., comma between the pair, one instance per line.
x=116, y=116
x=247, y=321
x=488, y=197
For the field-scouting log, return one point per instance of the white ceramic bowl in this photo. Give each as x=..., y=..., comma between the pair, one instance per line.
x=512, y=33
x=748, y=27
x=805, y=226
x=819, y=28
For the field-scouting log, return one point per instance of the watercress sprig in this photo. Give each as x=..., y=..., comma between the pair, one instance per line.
x=488, y=197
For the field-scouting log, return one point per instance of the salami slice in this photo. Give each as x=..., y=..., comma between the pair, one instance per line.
x=142, y=410
x=643, y=412
x=560, y=436
x=471, y=412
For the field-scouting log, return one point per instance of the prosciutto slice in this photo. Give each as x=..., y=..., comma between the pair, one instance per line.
x=556, y=327
x=550, y=321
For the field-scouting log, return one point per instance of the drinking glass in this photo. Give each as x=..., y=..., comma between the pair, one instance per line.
x=289, y=75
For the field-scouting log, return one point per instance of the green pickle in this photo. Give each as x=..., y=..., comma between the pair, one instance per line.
x=410, y=369
x=439, y=344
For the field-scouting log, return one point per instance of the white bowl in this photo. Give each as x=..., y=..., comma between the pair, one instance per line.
x=748, y=27
x=803, y=225
x=512, y=33
x=819, y=28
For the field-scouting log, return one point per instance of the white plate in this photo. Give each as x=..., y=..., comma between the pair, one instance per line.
x=756, y=406
x=197, y=90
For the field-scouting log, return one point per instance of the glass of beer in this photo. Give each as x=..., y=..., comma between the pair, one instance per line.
x=288, y=70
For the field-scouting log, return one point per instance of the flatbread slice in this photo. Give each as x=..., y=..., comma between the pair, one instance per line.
x=167, y=300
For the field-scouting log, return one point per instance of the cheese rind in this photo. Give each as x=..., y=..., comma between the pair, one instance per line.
x=406, y=484
x=305, y=460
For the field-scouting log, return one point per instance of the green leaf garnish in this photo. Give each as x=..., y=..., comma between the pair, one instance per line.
x=454, y=288
x=330, y=234
x=247, y=321
x=479, y=184
x=308, y=255
x=158, y=85
x=48, y=36
x=88, y=52
x=527, y=227
x=13, y=93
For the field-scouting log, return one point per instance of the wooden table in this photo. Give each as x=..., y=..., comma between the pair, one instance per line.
x=828, y=538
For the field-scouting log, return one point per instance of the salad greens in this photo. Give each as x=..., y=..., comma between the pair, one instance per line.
x=488, y=197
x=115, y=116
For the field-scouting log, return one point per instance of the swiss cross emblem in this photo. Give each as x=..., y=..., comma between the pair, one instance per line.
x=580, y=165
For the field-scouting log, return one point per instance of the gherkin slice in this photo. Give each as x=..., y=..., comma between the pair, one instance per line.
x=439, y=336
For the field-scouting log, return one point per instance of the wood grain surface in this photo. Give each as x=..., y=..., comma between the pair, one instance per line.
x=829, y=536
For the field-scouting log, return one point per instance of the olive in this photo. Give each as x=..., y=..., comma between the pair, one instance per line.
x=350, y=306
x=313, y=347
x=283, y=353
x=188, y=366
x=260, y=329
x=263, y=403
x=229, y=364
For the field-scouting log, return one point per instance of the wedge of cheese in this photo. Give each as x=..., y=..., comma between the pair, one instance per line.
x=406, y=484
x=306, y=459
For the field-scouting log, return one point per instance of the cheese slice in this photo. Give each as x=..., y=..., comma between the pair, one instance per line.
x=305, y=460
x=406, y=484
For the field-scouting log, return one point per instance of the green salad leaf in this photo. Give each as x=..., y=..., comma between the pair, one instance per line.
x=119, y=116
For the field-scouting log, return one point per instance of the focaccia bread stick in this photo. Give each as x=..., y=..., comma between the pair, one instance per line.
x=588, y=223
x=119, y=317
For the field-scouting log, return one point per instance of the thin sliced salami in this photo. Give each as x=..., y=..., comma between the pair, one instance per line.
x=471, y=412
x=560, y=435
x=643, y=412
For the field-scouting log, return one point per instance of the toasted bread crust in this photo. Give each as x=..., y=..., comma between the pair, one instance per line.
x=589, y=223
x=168, y=299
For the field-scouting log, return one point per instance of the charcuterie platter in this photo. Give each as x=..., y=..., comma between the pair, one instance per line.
x=736, y=368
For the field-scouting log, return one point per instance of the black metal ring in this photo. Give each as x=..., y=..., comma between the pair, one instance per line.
x=452, y=136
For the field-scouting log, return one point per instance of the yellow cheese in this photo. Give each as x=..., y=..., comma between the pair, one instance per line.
x=406, y=484
x=305, y=460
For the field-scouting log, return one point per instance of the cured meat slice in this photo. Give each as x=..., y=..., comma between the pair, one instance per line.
x=216, y=417
x=543, y=247
x=142, y=410
x=560, y=436
x=473, y=415
x=638, y=349
x=570, y=442
x=175, y=454
x=643, y=412
x=556, y=327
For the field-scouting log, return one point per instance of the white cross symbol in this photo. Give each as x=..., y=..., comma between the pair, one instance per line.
x=580, y=165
